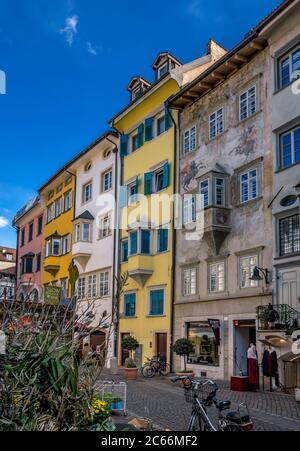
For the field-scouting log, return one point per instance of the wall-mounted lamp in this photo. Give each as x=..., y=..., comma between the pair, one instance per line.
x=256, y=277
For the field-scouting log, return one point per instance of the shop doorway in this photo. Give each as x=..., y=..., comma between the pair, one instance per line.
x=244, y=334
x=162, y=346
x=124, y=354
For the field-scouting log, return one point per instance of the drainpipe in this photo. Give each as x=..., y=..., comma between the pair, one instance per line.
x=73, y=203
x=174, y=242
x=17, y=258
x=115, y=272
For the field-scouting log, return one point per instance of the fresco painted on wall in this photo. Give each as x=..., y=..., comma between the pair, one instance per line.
x=189, y=173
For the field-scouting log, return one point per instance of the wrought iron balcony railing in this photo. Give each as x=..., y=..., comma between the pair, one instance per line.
x=278, y=317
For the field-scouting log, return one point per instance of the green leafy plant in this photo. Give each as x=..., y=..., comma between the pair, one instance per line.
x=130, y=344
x=183, y=348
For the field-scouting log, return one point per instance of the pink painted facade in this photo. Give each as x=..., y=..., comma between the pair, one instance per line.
x=29, y=223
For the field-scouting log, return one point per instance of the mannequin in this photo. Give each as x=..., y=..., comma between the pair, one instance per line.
x=270, y=367
x=253, y=368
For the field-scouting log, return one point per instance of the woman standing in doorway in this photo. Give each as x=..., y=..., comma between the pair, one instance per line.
x=253, y=368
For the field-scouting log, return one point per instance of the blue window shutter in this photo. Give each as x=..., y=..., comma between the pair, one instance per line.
x=166, y=179
x=146, y=239
x=149, y=129
x=141, y=135
x=133, y=243
x=157, y=303
x=125, y=251
x=168, y=120
x=123, y=196
x=124, y=145
x=163, y=240
x=148, y=183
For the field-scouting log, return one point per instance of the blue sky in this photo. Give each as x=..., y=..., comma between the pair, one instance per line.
x=68, y=64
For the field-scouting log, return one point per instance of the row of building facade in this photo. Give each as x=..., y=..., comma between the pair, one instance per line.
x=220, y=137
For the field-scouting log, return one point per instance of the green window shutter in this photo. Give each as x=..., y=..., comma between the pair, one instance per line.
x=168, y=120
x=123, y=196
x=141, y=135
x=124, y=145
x=166, y=179
x=137, y=185
x=149, y=129
x=148, y=183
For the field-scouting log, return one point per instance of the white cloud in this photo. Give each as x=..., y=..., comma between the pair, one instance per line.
x=70, y=29
x=3, y=222
x=195, y=8
x=91, y=49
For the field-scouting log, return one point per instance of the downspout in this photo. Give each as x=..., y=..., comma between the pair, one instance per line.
x=174, y=242
x=115, y=274
x=74, y=210
x=17, y=259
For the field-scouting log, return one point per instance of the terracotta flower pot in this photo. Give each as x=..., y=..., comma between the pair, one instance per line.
x=131, y=373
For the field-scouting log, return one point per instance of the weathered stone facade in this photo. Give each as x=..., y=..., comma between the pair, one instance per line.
x=242, y=146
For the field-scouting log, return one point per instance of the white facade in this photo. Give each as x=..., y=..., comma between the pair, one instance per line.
x=94, y=235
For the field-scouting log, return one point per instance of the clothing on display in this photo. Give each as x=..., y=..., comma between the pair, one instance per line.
x=270, y=366
x=253, y=368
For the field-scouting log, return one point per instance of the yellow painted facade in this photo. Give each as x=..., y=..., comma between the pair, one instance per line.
x=56, y=267
x=144, y=326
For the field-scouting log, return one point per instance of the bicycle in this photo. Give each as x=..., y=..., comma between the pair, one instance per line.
x=155, y=366
x=202, y=395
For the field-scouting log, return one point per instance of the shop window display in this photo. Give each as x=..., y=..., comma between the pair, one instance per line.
x=206, y=346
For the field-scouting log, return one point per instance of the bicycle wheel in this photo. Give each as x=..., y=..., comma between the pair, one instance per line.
x=148, y=371
x=165, y=370
x=196, y=423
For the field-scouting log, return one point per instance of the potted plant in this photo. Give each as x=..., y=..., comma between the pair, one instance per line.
x=131, y=371
x=116, y=404
x=184, y=348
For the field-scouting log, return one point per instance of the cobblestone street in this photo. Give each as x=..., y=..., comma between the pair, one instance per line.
x=165, y=404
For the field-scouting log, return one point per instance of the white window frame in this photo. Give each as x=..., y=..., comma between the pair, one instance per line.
x=104, y=284
x=108, y=173
x=56, y=240
x=105, y=226
x=90, y=232
x=158, y=119
x=66, y=244
x=249, y=268
x=189, y=140
x=250, y=179
x=247, y=100
x=286, y=56
x=214, y=269
x=293, y=150
x=68, y=198
x=189, y=282
x=77, y=232
x=189, y=207
x=216, y=179
x=159, y=70
x=217, y=122
x=87, y=192
x=157, y=172
x=81, y=288
x=201, y=195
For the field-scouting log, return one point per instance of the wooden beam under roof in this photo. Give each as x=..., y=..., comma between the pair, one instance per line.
x=241, y=58
x=218, y=76
x=232, y=65
x=256, y=45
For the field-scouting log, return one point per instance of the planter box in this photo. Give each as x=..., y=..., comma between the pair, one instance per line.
x=240, y=384
x=131, y=374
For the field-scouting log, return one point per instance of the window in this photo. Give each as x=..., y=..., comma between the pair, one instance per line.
x=206, y=344
x=92, y=286
x=50, y=213
x=87, y=193
x=157, y=302
x=133, y=243
x=216, y=123
x=86, y=232
x=88, y=167
x=23, y=238
x=104, y=284
x=249, y=186
x=204, y=193
x=77, y=232
x=105, y=225
x=56, y=247
x=134, y=142
x=133, y=190
x=159, y=180
x=190, y=282
x=248, y=103
x=289, y=235
x=40, y=225
x=136, y=92
x=81, y=288
x=38, y=263
x=162, y=240
x=107, y=181
x=289, y=201
x=163, y=70
x=30, y=232
x=288, y=65
x=64, y=283
x=27, y=265
x=9, y=257
x=130, y=305
x=66, y=245
x=68, y=181
x=58, y=207
x=220, y=192
x=189, y=209
x=217, y=277
x=290, y=148
x=189, y=141
x=161, y=125
x=247, y=265
x=125, y=251
x=68, y=201
x=145, y=242
x=48, y=248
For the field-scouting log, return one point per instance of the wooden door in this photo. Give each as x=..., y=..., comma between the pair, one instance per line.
x=124, y=354
x=162, y=346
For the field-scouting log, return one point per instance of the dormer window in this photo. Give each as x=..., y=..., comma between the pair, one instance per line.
x=137, y=87
x=164, y=63
x=163, y=70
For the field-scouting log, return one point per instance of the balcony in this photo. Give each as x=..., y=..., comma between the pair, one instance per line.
x=217, y=226
x=52, y=265
x=280, y=318
x=82, y=252
x=140, y=268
